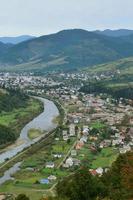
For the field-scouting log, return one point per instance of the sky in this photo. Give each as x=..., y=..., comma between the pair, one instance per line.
x=41, y=17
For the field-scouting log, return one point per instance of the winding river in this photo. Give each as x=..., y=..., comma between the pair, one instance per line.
x=43, y=122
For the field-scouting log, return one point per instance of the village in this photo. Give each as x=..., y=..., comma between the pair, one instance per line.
x=95, y=130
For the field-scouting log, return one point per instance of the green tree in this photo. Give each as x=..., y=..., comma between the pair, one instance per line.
x=81, y=186
x=22, y=197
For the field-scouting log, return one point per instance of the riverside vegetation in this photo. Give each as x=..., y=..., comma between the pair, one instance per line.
x=16, y=109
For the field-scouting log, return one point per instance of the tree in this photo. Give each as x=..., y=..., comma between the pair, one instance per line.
x=81, y=186
x=22, y=197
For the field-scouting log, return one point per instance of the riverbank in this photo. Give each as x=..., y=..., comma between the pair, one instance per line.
x=18, y=118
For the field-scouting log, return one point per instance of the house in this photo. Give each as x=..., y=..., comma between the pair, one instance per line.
x=76, y=121
x=30, y=169
x=69, y=162
x=76, y=162
x=84, y=139
x=99, y=171
x=57, y=139
x=64, y=132
x=73, y=153
x=107, y=143
x=93, y=172
x=72, y=130
x=65, y=135
x=52, y=178
x=50, y=165
x=85, y=131
x=79, y=145
x=57, y=155
x=125, y=149
x=117, y=142
x=93, y=138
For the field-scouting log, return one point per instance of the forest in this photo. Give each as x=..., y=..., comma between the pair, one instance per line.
x=102, y=87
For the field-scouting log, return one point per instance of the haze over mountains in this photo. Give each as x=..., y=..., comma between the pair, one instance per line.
x=16, y=40
x=66, y=50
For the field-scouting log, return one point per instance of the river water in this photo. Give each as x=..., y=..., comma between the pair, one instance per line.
x=43, y=122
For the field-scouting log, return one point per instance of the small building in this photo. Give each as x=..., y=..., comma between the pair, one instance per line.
x=50, y=165
x=69, y=162
x=73, y=153
x=57, y=155
x=84, y=139
x=79, y=145
x=99, y=171
x=76, y=162
x=93, y=172
x=65, y=137
x=52, y=178
x=44, y=181
x=72, y=130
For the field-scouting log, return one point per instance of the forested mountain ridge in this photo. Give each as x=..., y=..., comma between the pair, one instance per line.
x=65, y=50
x=115, y=33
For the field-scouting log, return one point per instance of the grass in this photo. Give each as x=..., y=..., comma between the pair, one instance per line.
x=9, y=118
x=14, y=189
x=105, y=158
x=98, y=125
x=124, y=65
x=56, y=172
x=34, y=133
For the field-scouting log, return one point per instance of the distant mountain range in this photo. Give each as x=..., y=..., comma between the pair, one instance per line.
x=66, y=50
x=115, y=33
x=16, y=40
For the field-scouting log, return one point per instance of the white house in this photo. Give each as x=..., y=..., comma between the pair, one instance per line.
x=52, y=178
x=50, y=165
x=69, y=162
x=72, y=130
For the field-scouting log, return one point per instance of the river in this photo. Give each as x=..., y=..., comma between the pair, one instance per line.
x=43, y=122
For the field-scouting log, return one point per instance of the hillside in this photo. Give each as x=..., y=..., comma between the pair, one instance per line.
x=15, y=40
x=124, y=66
x=65, y=50
x=4, y=48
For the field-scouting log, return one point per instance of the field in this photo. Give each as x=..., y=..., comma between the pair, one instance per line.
x=33, y=168
x=105, y=158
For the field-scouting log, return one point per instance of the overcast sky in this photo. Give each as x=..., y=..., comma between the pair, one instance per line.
x=39, y=17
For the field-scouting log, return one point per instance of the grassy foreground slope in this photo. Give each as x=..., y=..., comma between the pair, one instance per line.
x=16, y=109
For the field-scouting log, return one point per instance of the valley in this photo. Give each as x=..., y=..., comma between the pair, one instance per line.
x=94, y=128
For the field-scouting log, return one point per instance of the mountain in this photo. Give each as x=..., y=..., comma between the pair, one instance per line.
x=65, y=50
x=115, y=33
x=16, y=40
x=4, y=47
